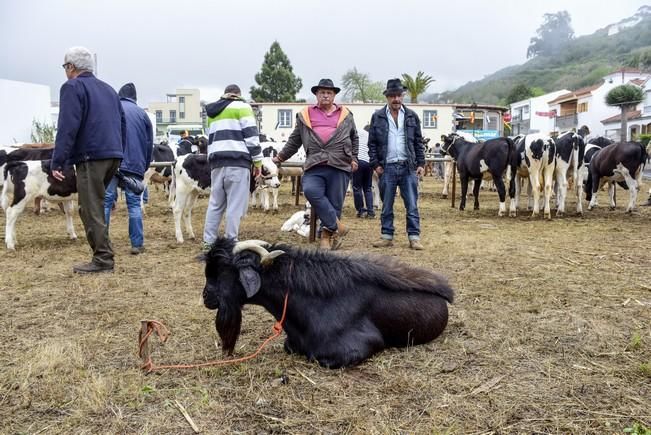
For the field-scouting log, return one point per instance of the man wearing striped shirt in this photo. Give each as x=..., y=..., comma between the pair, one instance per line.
x=233, y=145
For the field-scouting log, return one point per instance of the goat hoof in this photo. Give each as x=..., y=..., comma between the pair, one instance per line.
x=444, y=197
x=611, y=208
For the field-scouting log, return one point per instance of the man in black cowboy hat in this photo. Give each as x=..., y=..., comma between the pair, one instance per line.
x=395, y=148
x=328, y=134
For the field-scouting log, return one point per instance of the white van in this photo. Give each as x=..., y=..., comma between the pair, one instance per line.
x=174, y=131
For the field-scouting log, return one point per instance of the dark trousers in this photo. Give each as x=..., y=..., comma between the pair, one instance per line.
x=92, y=179
x=325, y=188
x=362, y=188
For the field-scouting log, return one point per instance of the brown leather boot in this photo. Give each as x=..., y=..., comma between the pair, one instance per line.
x=342, y=229
x=326, y=239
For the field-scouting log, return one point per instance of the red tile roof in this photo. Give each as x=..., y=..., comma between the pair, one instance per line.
x=576, y=94
x=635, y=114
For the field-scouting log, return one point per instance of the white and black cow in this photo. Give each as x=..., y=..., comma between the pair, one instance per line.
x=448, y=165
x=162, y=175
x=584, y=181
x=25, y=181
x=536, y=157
x=191, y=178
x=11, y=154
x=493, y=159
x=570, y=148
x=267, y=184
x=617, y=162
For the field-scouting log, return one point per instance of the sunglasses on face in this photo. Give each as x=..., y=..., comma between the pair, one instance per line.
x=66, y=65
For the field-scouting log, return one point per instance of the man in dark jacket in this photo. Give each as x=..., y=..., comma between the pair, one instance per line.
x=328, y=134
x=395, y=148
x=137, y=156
x=90, y=134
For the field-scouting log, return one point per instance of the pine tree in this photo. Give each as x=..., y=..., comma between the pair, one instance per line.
x=277, y=81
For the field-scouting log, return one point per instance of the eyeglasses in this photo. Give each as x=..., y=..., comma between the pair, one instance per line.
x=65, y=65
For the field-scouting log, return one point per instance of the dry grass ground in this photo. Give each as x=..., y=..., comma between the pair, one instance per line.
x=550, y=333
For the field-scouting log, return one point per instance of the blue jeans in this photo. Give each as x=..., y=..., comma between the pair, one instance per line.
x=394, y=176
x=362, y=188
x=325, y=188
x=136, y=230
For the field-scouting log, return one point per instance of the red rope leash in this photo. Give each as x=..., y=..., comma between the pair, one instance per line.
x=163, y=334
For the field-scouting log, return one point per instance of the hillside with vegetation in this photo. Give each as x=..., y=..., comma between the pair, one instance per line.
x=578, y=62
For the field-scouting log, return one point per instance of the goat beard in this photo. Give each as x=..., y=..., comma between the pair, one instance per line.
x=228, y=323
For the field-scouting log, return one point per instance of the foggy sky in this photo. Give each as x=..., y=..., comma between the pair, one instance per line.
x=163, y=45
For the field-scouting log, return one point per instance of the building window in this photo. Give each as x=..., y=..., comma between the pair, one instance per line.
x=172, y=115
x=181, y=115
x=525, y=112
x=430, y=118
x=181, y=100
x=159, y=116
x=582, y=107
x=284, y=118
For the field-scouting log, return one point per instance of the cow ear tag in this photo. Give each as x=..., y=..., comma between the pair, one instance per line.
x=250, y=281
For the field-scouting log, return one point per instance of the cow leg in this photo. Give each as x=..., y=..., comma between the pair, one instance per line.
x=464, y=191
x=611, y=195
x=632, y=189
x=548, y=175
x=501, y=193
x=596, y=185
x=11, y=217
x=274, y=194
x=254, y=199
x=534, y=179
x=518, y=188
x=475, y=192
x=187, y=213
x=68, y=208
x=579, y=190
x=265, y=200
x=561, y=184
x=447, y=176
x=179, y=204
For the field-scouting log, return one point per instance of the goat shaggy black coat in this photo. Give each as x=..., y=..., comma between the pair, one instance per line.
x=342, y=308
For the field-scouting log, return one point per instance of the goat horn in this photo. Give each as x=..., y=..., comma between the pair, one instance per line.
x=266, y=257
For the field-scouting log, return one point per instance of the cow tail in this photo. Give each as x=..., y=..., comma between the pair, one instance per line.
x=172, y=194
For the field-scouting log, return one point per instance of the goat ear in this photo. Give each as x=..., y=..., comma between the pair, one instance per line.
x=250, y=281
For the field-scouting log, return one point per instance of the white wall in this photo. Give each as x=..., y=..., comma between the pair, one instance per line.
x=21, y=103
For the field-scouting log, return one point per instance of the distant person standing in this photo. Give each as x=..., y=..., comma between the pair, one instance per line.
x=395, y=146
x=328, y=134
x=137, y=156
x=233, y=146
x=363, y=179
x=91, y=134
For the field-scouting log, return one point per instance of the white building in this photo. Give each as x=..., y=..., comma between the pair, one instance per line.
x=533, y=114
x=639, y=119
x=587, y=106
x=180, y=108
x=22, y=104
x=277, y=120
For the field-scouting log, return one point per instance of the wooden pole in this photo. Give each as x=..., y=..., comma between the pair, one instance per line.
x=312, y=237
x=454, y=182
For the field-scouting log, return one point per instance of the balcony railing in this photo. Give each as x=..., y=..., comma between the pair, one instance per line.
x=567, y=122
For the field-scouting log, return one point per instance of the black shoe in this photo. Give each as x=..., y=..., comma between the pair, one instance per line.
x=370, y=216
x=361, y=214
x=91, y=268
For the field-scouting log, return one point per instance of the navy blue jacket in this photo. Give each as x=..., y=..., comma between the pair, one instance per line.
x=91, y=122
x=378, y=137
x=140, y=141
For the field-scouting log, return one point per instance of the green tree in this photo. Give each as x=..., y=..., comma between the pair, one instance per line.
x=277, y=81
x=553, y=34
x=625, y=97
x=416, y=85
x=517, y=93
x=42, y=132
x=358, y=86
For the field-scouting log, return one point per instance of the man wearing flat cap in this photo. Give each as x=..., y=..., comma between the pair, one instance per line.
x=395, y=148
x=328, y=134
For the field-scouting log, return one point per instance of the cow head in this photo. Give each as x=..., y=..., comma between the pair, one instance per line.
x=233, y=276
x=448, y=144
x=270, y=173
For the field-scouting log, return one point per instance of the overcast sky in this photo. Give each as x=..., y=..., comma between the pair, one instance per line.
x=163, y=45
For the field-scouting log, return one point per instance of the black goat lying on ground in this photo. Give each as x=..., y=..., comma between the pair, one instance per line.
x=341, y=309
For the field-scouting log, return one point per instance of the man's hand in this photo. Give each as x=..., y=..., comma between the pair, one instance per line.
x=420, y=171
x=58, y=175
x=379, y=170
x=276, y=160
x=256, y=172
x=354, y=165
